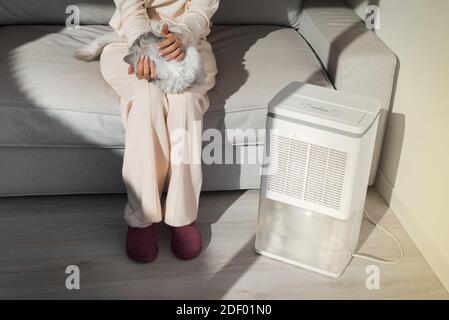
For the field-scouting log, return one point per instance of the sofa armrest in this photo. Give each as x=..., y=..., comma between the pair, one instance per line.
x=356, y=60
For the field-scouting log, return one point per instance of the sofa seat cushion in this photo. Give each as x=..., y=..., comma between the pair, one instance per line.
x=48, y=98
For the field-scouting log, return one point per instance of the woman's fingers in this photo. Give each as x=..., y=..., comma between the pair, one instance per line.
x=174, y=54
x=146, y=69
x=171, y=38
x=140, y=69
x=165, y=31
x=175, y=48
x=153, y=70
x=167, y=50
x=180, y=57
x=171, y=48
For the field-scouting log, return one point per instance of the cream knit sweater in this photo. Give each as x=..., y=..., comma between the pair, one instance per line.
x=191, y=17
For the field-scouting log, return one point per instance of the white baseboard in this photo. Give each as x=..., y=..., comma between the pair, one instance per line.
x=433, y=256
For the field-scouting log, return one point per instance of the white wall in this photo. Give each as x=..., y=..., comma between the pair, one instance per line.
x=414, y=168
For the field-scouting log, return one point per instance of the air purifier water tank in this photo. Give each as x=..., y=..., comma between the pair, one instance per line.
x=319, y=147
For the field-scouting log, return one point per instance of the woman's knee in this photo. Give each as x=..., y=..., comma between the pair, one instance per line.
x=147, y=95
x=111, y=61
x=194, y=103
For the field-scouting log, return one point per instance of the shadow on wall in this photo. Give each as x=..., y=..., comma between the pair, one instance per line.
x=394, y=138
x=395, y=128
x=393, y=142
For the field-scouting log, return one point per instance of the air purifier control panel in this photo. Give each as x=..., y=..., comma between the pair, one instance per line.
x=329, y=111
x=325, y=108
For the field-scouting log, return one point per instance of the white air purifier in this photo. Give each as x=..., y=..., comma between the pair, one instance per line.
x=319, y=148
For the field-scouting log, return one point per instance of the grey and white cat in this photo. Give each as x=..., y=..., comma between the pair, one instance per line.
x=172, y=76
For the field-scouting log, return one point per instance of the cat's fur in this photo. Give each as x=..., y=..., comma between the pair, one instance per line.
x=172, y=76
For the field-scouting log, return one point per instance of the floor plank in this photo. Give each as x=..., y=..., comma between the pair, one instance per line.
x=40, y=236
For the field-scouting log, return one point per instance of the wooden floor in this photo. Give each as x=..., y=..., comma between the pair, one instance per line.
x=40, y=236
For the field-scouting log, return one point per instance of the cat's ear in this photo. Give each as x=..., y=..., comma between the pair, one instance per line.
x=130, y=59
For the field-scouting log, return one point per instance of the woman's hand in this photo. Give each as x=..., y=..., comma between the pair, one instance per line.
x=145, y=69
x=171, y=48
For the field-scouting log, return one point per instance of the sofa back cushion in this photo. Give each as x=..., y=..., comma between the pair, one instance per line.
x=55, y=11
x=275, y=12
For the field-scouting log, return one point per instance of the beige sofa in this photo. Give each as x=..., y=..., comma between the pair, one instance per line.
x=60, y=129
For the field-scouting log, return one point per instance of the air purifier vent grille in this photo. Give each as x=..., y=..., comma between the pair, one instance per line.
x=279, y=157
x=307, y=171
x=316, y=174
x=296, y=169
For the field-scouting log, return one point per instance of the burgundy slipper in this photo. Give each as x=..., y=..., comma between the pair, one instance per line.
x=141, y=244
x=186, y=241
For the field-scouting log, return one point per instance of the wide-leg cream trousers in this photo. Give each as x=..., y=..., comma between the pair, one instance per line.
x=154, y=122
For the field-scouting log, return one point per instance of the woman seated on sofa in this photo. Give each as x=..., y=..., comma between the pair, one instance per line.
x=150, y=116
